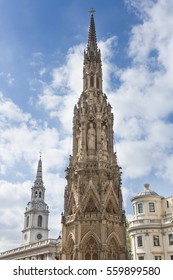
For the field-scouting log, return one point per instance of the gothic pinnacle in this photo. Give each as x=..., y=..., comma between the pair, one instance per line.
x=92, y=41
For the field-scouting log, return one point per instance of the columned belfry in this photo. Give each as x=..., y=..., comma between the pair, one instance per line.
x=93, y=222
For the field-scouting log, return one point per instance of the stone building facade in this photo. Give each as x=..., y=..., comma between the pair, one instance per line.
x=151, y=230
x=93, y=221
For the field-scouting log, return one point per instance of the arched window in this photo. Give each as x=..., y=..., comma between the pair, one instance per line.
x=27, y=221
x=39, y=194
x=36, y=194
x=113, y=250
x=39, y=223
x=91, y=250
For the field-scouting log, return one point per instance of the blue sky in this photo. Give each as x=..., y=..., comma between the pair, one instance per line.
x=41, y=59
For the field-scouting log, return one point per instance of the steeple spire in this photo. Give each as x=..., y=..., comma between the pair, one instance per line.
x=38, y=184
x=92, y=71
x=92, y=40
x=39, y=170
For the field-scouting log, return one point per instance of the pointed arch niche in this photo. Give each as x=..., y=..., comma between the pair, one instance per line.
x=91, y=207
x=91, y=203
x=91, y=245
x=110, y=207
x=112, y=248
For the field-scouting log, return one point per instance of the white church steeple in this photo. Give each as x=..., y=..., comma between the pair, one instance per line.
x=38, y=189
x=37, y=212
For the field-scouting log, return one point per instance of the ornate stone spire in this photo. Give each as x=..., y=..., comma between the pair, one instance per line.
x=93, y=218
x=92, y=70
x=92, y=40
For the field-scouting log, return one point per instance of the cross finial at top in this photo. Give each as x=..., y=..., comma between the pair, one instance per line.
x=91, y=11
x=40, y=154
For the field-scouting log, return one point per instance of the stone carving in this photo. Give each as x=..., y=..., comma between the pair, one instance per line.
x=104, y=139
x=80, y=155
x=110, y=209
x=84, y=107
x=91, y=137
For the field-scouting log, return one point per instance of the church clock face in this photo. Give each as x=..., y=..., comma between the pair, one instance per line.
x=40, y=205
x=39, y=236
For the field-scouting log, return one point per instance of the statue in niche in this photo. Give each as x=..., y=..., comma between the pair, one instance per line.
x=80, y=156
x=104, y=139
x=91, y=137
x=79, y=140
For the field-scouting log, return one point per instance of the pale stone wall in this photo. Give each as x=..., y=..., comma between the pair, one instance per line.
x=151, y=226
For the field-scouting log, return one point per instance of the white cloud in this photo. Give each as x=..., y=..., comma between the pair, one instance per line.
x=69, y=76
x=22, y=138
x=14, y=198
x=125, y=194
x=154, y=33
x=59, y=96
x=49, y=99
x=10, y=112
x=108, y=51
